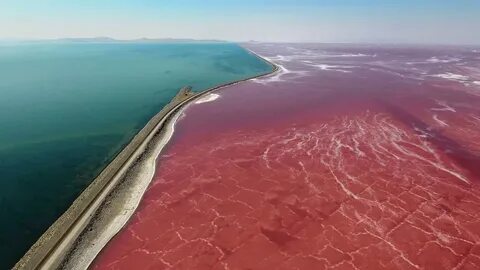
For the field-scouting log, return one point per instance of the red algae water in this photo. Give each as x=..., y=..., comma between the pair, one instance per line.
x=351, y=157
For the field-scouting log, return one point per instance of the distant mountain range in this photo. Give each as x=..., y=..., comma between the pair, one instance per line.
x=154, y=40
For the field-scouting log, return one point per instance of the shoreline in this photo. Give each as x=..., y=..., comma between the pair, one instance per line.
x=60, y=244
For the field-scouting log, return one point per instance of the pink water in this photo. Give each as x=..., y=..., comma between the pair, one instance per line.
x=353, y=157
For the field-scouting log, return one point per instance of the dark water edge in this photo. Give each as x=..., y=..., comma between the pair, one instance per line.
x=53, y=150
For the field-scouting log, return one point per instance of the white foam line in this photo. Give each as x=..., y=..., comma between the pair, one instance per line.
x=435, y=59
x=394, y=73
x=283, y=58
x=476, y=118
x=452, y=76
x=350, y=55
x=445, y=107
x=434, y=164
x=275, y=78
x=440, y=122
x=346, y=190
x=333, y=68
x=207, y=98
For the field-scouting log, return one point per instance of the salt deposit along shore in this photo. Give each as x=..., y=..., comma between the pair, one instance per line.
x=73, y=241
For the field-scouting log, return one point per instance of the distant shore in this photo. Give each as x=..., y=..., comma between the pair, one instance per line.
x=106, y=205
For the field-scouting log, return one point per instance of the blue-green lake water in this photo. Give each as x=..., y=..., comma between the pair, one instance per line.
x=66, y=109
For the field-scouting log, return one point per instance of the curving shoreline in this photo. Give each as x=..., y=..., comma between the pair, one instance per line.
x=69, y=242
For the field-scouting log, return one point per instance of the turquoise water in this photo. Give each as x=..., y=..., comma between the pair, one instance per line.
x=67, y=108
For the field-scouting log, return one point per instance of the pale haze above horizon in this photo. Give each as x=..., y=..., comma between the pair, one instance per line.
x=383, y=21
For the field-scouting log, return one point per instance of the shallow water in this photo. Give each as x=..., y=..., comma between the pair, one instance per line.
x=67, y=108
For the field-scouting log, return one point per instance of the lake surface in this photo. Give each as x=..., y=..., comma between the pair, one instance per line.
x=66, y=109
x=351, y=156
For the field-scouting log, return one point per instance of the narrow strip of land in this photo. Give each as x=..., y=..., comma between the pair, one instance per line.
x=106, y=205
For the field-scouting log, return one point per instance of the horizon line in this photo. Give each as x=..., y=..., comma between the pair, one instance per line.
x=183, y=39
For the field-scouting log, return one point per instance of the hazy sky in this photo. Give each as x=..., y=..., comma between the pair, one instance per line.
x=411, y=21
